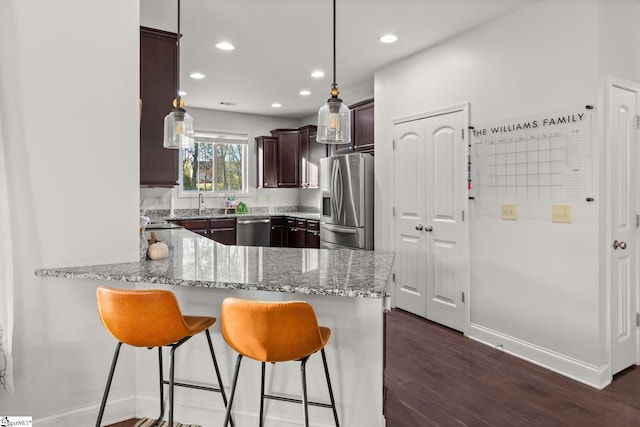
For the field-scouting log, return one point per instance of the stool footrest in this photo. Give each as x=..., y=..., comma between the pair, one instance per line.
x=288, y=399
x=195, y=386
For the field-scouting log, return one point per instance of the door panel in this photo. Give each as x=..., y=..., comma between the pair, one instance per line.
x=445, y=194
x=623, y=185
x=410, y=208
x=430, y=192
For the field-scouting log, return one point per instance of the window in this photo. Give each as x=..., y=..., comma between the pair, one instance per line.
x=216, y=162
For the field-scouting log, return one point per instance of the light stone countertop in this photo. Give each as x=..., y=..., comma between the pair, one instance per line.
x=305, y=215
x=198, y=261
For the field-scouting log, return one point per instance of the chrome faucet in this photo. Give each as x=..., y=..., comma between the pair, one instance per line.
x=201, y=205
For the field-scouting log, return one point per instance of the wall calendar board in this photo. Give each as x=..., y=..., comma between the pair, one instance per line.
x=537, y=158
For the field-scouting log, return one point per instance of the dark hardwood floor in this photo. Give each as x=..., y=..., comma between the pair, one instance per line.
x=437, y=377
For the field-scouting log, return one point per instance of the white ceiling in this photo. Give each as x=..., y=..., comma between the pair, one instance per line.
x=280, y=42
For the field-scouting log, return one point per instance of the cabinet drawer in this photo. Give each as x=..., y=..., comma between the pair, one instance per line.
x=301, y=223
x=223, y=223
x=291, y=221
x=313, y=225
x=195, y=224
x=278, y=220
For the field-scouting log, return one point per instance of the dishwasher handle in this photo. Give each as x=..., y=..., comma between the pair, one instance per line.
x=253, y=221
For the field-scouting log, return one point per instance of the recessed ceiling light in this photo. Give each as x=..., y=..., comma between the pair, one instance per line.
x=305, y=92
x=276, y=105
x=197, y=76
x=182, y=93
x=317, y=74
x=388, y=38
x=225, y=46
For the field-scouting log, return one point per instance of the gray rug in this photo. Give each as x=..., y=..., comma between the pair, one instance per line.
x=148, y=422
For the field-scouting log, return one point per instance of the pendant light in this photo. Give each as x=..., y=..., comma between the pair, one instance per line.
x=334, y=119
x=178, y=124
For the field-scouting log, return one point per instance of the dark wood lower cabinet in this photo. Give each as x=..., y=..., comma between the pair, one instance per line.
x=200, y=226
x=313, y=234
x=223, y=230
x=278, y=234
x=289, y=232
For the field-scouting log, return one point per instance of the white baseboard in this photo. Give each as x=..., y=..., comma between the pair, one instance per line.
x=116, y=410
x=595, y=376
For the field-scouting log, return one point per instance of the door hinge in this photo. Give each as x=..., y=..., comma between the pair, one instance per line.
x=463, y=215
x=393, y=210
x=462, y=296
x=637, y=221
x=393, y=277
x=394, y=145
x=637, y=122
x=462, y=131
x=637, y=319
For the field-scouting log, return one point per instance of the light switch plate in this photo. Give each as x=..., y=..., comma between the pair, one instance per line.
x=561, y=213
x=509, y=211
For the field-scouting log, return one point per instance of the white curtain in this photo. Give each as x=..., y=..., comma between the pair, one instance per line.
x=6, y=278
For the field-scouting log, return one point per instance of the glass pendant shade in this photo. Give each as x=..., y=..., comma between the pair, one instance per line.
x=334, y=123
x=178, y=129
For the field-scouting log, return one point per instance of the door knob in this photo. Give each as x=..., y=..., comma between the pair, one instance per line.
x=621, y=245
x=428, y=228
x=419, y=227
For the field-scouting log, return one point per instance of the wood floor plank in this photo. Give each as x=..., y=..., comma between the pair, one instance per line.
x=436, y=376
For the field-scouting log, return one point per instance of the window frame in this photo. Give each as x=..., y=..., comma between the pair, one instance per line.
x=243, y=138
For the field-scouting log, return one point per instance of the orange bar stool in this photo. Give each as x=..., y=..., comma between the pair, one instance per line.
x=275, y=332
x=152, y=318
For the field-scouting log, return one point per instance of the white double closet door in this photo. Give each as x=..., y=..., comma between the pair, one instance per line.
x=430, y=187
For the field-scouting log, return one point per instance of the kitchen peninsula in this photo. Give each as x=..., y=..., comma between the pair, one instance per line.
x=346, y=288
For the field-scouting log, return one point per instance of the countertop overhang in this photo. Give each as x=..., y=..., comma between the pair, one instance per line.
x=200, y=262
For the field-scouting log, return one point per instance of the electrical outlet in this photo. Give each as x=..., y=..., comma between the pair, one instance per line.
x=509, y=211
x=268, y=198
x=561, y=213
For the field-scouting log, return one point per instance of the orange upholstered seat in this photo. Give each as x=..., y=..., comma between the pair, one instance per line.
x=151, y=318
x=274, y=331
x=146, y=318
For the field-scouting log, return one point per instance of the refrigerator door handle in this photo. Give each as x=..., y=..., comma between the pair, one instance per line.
x=342, y=230
x=339, y=190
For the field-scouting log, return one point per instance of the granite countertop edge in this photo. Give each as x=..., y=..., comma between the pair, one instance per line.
x=343, y=273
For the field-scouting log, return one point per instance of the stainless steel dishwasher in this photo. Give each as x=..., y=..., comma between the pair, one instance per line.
x=253, y=232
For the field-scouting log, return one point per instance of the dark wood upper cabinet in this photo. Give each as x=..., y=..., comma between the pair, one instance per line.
x=362, y=129
x=267, y=173
x=158, y=85
x=311, y=151
x=362, y=126
x=288, y=154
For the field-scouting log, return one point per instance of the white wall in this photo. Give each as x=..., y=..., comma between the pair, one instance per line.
x=69, y=110
x=536, y=287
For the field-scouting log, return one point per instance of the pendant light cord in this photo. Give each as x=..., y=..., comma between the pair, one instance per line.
x=334, y=42
x=178, y=60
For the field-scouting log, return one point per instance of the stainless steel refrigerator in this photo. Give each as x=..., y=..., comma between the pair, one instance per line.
x=347, y=202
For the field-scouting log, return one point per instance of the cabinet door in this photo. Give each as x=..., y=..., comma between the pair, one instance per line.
x=313, y=234
x=278, y=231
x=362, y=126
x=267, y=175
x=288, y=153
x=158, y=85
x=313, y=239
x=223, y=230
x=311, y=152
